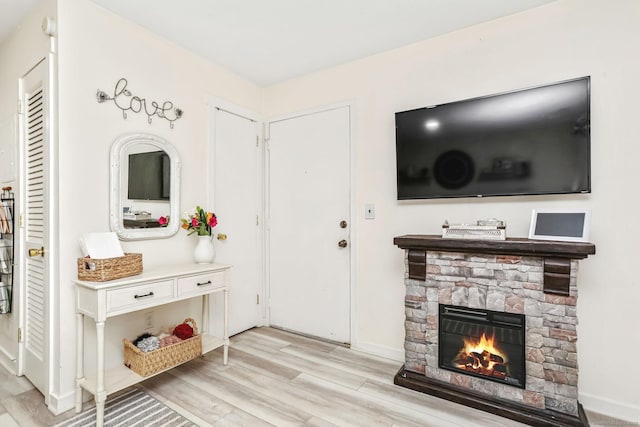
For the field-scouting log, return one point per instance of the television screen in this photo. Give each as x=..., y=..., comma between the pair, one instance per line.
x=149, y=176
x=532, y=141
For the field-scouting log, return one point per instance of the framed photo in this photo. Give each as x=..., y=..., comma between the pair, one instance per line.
x=567, y=225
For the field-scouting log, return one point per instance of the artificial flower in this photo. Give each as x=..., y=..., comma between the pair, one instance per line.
x=199, y=221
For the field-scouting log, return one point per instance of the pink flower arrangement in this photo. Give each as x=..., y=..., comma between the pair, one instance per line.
x=199, y=221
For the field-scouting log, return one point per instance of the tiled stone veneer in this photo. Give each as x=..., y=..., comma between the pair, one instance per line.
x=512, y=284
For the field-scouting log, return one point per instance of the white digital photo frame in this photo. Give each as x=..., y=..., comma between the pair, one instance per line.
x=566, y=225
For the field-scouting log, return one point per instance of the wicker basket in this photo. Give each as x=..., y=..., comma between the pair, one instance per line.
x=145, y=364
x=102, y=270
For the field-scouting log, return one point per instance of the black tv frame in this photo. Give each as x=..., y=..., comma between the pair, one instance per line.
x=455, y=168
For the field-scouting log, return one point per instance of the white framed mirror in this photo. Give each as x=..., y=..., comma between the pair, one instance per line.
x=145, y=187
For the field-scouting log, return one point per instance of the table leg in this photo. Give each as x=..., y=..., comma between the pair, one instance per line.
x=225, y=357
x=101, y=394
x=205, y=314
x=79, y=359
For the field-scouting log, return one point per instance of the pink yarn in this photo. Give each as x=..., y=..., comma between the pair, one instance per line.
x=167, y=341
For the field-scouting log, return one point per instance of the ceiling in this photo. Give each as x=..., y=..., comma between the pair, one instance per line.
x=269, y=41
x=11, y=14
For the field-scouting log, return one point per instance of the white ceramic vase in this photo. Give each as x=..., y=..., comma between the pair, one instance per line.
x=204, y=253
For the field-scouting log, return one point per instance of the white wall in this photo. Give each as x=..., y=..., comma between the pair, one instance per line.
x=18, y=54
x=97, y=48
x=562, y=40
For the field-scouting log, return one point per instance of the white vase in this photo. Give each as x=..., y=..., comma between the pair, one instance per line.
x=204, y=253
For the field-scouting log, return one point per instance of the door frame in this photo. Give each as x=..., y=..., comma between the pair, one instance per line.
x=213, y=103
x=352, y=202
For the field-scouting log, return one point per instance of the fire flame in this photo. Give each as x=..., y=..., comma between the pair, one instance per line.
x=479, y=346
x=482, y=356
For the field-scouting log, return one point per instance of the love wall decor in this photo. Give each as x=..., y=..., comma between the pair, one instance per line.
x=125, y=101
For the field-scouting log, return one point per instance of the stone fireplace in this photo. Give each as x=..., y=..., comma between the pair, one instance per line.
x=475, y=283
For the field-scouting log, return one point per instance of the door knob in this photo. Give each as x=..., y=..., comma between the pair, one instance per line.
x=342, y=243
x=36, y=252
x=343, y=224
x=222, y=236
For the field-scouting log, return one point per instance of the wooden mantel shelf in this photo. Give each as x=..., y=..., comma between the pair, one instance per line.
x=557, y=255
x=511, y=246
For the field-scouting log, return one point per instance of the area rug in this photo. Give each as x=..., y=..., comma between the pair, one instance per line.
x=132, y=408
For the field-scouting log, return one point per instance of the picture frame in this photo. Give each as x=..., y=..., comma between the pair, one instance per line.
x=566, y=225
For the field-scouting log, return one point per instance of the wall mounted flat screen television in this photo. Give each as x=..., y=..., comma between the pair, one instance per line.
x=149, y=176
x=532, y=141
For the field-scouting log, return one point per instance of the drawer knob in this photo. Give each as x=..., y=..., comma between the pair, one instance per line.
x=150, y=294
x=208, y=282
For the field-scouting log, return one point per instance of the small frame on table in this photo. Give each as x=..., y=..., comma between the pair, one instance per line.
x=567, y=225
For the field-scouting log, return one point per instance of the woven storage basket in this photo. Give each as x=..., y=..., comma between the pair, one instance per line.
x=102, y=270
x=145, y=364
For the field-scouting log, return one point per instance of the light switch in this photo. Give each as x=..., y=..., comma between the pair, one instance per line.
x=369, y=211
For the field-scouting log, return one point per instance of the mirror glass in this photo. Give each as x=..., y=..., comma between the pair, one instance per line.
x=145, y=187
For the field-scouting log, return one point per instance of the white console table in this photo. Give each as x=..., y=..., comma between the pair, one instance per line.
x=102, y=300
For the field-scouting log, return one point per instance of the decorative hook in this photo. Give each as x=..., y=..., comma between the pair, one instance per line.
x=102, y=97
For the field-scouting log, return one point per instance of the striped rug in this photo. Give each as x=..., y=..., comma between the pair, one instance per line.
x=133, y=408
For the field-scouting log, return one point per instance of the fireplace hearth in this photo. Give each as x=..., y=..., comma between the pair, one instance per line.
x=482, y=343
x=492, y=325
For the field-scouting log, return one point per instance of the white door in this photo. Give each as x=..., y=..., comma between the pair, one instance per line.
x=35, y=188
x=237, y=198
x=309, y=215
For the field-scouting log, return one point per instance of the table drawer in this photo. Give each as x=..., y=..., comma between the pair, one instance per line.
x=201, y=284
x=139, y=296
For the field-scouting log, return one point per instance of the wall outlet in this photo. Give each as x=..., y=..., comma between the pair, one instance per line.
x=369, y=211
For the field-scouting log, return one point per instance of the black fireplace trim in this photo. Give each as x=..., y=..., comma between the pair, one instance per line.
x=504, y=408
x=510, y=246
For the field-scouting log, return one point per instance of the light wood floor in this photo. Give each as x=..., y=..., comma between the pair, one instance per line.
x=275, y=378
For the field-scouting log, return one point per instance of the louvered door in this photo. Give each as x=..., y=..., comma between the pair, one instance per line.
x=35, y=138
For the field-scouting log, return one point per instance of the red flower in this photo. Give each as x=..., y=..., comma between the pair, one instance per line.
x=213, y=221
x=194, y=222
x=163, y=220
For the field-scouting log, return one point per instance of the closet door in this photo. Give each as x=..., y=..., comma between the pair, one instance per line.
x=237, y=198
x=34, y=123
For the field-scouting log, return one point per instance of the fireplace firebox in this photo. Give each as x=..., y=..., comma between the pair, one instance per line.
x=482, y=343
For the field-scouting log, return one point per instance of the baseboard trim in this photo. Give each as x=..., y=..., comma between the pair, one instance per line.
x=8, y=361
x=59, y=404
x=612, y=408
x=379, y=350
